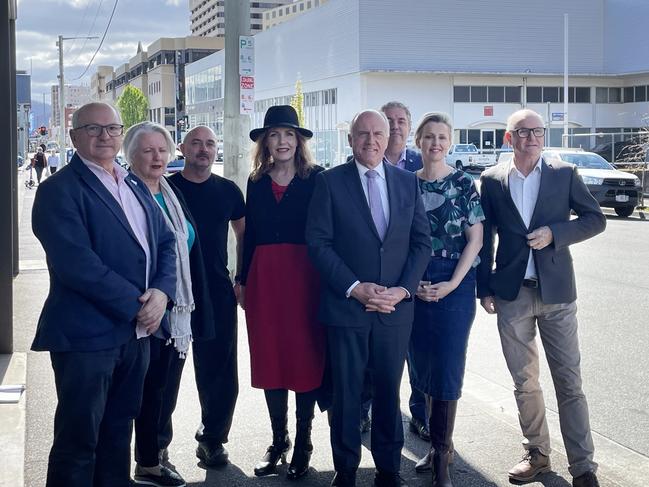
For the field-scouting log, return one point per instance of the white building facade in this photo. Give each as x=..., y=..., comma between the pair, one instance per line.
x=477, y=61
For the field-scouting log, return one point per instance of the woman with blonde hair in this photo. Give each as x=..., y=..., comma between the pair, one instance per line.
x=445, y=302
x=280, y=287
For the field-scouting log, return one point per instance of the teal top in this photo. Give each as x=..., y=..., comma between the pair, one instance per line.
x=452, y=205
x=191, y=237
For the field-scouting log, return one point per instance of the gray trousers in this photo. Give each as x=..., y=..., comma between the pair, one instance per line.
x=557, y=325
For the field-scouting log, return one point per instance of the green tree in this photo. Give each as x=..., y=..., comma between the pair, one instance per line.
x=133, y=106
x=297, y=102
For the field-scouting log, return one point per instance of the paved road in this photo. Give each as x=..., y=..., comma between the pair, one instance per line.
x=612, y=280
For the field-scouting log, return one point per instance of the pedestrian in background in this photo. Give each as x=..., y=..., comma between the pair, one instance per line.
x=39, y=162
x=528, y=203
x=445, y=306
x=53, y=161
x=280, y=287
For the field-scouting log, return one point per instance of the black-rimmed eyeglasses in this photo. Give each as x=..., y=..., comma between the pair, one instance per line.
x=94, y=130
x=525, y=133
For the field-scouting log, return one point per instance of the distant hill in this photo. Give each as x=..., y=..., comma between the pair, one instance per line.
x=41, y=112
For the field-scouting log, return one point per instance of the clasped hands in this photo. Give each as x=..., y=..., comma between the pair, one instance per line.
x=154, y=305
x=434, y=292
x=378, y=298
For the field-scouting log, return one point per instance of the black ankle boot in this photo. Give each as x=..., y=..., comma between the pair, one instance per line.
x=274, y=453
x=299, y=465
x=441, y=423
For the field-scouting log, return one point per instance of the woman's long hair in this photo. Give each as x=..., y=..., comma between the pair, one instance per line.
x=262, y=161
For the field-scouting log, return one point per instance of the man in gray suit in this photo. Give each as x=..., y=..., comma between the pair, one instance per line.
x=527, y=203
x=369, y=238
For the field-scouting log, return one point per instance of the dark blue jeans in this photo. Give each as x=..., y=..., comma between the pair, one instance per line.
x=440, y=334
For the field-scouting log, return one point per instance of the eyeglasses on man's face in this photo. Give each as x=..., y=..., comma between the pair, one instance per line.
x=525, y=133
x=94, y=130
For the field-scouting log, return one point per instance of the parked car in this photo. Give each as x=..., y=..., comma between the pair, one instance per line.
x=623, y=152
x=176, y=165
x=611, y=188
x=467, y=156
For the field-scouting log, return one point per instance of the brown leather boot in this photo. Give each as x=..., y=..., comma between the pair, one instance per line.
x=441, y=424
x=533, y=463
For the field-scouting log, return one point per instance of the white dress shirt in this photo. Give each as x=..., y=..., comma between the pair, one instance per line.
x=525, y=191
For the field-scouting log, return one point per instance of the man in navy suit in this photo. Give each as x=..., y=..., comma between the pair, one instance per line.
x=397, y=152
x=112, y=267
x=368, y=236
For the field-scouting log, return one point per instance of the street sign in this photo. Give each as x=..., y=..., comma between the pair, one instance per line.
x=247, y=82
x=246, y=56
x=557, y=116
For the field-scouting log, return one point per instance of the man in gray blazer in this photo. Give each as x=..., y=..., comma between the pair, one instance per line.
x=527, y=203
x=369, y=238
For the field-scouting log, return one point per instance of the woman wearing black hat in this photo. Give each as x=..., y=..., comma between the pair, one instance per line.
x=280, y=287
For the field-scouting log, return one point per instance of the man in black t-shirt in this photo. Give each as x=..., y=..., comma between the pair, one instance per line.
x=214, y=203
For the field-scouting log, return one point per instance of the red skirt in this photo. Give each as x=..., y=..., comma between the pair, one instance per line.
x=287, y=343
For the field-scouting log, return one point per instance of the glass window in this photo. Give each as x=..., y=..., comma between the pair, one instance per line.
x=478, y=94
x=628, y=94
x=640, y=93
x=294, y=8
x=308, y=4
x=601, y=95
x=534, y=94
x=496, y=94
x=550, y=94
x=513, y=94
x=582, y=94
x=301, y=7
x=461, y=94
x=614, y=95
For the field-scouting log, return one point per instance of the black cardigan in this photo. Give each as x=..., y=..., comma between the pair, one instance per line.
x=270, y=222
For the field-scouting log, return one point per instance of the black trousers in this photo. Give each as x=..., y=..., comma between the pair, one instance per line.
x=169, y=400
x=148, y=421
x=99, y=395
x=381, y=350
x=53, y=169
x=39, y=173
x=215, y=366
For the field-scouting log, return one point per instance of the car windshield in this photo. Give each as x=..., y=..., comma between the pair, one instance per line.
x=588, y=161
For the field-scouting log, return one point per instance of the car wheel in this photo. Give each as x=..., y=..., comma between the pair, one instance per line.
x=459, y=166
x=624, y=211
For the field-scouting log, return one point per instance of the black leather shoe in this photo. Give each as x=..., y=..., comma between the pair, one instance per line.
x=589, y=479
x=366, y=424
x=212, y=454
x=388, y=479
x=344, y=479
x=416, y=426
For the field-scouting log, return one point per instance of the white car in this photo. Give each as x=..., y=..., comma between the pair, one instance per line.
x=467, y=156
x=611, y=188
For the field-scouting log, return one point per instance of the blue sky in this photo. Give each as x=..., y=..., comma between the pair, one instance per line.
x=40, y=22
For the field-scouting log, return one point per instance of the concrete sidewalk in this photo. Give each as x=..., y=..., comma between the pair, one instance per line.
x=487, y=438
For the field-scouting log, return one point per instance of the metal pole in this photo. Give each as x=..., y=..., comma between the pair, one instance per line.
x=564, y=139
x=8, y=172
x=62, y=145
x=236, y=163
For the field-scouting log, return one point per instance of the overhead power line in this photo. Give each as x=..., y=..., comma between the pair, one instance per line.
x=100, y=42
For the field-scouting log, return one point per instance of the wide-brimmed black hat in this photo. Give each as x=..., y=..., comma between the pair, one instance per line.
x=280, y=116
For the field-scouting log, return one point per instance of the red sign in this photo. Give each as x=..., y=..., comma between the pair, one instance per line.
x=488, y=111
x=247, y=82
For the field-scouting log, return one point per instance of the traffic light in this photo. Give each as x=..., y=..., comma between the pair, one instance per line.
x=42, y=130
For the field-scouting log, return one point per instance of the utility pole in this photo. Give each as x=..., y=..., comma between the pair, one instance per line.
x=235, y=125
x=62, y=145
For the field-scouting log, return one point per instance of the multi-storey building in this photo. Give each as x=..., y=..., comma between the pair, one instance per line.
x=283, y=13
x=75, y=96
x=477, y=62
x=207, y=17
x=159, y=72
